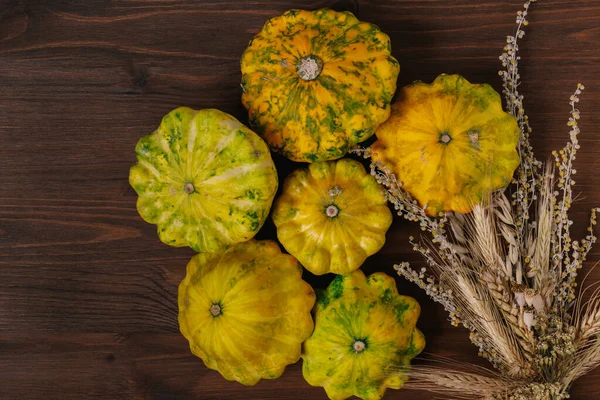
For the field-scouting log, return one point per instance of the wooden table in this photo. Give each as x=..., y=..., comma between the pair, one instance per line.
x=87, y=291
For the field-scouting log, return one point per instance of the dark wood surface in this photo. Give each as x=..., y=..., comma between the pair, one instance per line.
x=87, y=291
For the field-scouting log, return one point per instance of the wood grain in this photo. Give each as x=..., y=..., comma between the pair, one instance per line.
x=87, y=291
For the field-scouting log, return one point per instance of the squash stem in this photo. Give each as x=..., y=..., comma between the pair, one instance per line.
x=215, y=310
x=332, y=211
x=309, y=68
x=358, y=346
x=445, y=138
x=189, y=188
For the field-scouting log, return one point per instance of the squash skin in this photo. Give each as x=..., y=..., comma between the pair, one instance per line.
x=229, y=167
x=481, y=150
x=319, y=119
x=337, y=244
x=264, y=310
x=355, y=308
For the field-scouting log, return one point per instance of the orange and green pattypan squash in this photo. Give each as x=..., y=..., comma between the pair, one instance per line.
x=449, y=143
x=246, y=312
x=332, y=216
x=315, y=83
x=205, y=179
x=364, y=335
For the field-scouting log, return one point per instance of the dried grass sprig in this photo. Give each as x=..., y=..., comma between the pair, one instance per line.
x=507, y=271
x=526, y=178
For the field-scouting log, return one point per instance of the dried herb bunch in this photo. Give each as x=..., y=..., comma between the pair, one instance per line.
x=507, y=271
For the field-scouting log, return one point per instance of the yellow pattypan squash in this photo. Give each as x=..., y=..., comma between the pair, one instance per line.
x=315, y=83
x=449, y=143
x=364, y=335
x=205, y=179
x=332, y=216
x=245, y=312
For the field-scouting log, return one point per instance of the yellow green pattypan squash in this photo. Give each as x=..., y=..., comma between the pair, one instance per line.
x=364, y=334
x=332, y=216
x=205, y=179
x=315, y=83
x=245, y=312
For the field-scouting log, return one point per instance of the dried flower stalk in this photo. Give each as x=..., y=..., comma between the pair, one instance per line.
x=507, y=271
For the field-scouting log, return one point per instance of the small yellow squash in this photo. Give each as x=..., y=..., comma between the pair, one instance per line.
x=449, y=143
x=315, y=83
x=204, y=179
x=332, y=216
x=364, y=335
x=246, y=312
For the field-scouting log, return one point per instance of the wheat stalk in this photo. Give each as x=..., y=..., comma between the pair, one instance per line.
x=476, y=307
x=589, y=325
x=480, y=227
x=502, y=349
x=540, y=262
x=483, y=233
x=512, y=316
x=455, y=383
x=584, y=361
